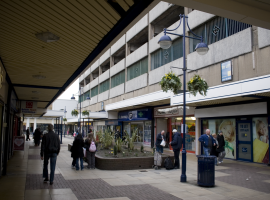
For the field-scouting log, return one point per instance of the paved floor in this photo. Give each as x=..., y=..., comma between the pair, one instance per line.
x=234, y=180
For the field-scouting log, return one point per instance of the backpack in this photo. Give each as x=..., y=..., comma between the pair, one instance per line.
x=168, y=164
x=92, y=147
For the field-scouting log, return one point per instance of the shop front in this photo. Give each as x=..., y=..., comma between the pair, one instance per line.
x=246, y=136
x=169, y=118
x=139, y=122
x=114, y=126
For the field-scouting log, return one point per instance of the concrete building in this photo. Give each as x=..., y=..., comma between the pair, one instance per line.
x=125, y=80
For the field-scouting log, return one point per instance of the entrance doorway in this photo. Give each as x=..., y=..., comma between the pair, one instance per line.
x=244, y=140
x=139, y=126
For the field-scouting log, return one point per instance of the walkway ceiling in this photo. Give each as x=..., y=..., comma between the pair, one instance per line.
x=41, y=71
x=254, y=12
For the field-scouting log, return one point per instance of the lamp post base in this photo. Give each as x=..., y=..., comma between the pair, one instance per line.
x=183, y=178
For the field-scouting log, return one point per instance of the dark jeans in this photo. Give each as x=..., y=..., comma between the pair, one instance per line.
x=74, y=162
x=159, y=148
x=27, y=137
x=176, y=158
x=52, y=157
x=91, y=159
x=77, y=163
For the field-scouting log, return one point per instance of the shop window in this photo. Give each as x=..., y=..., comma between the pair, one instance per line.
x=118, y=79
x=260, y=140
x=164, y=56
x=94, y=91
x=137, y=69
x=104, y=86
x=227, y=126
x=215, y=30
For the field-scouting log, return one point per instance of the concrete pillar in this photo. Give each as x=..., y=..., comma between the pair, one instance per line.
x=27, y=123
x=53, y=122
x=35, y=124
x=197, y=135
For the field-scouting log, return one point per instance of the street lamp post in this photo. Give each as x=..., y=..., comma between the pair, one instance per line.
x=165, y=42
x=65, y=122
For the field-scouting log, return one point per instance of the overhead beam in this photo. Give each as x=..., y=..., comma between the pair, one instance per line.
x=258, y=97
x=34, y=100
x=37, y=86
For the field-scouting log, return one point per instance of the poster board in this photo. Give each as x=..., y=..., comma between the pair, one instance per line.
x=18, y=143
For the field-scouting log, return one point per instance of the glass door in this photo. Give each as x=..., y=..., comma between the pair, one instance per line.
x=244, y=140
x=137, y=125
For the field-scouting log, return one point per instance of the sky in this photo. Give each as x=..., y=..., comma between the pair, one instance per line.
x=73, y=89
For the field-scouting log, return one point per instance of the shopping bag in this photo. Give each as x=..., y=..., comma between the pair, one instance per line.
x=163, y=143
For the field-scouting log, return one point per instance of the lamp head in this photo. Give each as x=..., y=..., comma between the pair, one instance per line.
x=88, y=98
x=165, y=42
x=201, y=48
x=73, y=98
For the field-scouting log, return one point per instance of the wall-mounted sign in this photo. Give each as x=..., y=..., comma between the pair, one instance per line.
x=29, y=107
x=215, y=30
x=143, y=114
x=112, y=122
x=102, y=105
x=226, y=71
x=18, y=144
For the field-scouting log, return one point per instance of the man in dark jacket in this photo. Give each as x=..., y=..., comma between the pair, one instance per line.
x=207, y=141
x=50, y=148
x=27, y=134
x=176, y=144
x=158, y=141
x=221, y=147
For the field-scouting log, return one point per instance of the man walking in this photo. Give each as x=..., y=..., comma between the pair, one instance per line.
x=50, y=148
x=207, y=141
x=176, y=144
x=27, y=134
x=158, y=142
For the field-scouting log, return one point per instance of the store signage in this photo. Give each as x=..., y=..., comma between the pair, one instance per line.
x=112, y=122
x=143, y=114
x=29, y=107
x=18, y=144
x=226, y=71
x=244, y=150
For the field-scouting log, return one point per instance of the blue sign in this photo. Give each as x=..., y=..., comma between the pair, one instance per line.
x=112, y=122
x=143, y=114
x=226, y=71
x=244, y=150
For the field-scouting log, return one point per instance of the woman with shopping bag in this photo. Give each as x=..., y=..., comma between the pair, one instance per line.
x=160, y=142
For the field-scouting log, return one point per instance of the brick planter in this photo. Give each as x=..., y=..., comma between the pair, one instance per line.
x=127, y=163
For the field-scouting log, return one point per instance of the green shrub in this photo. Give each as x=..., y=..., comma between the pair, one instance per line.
x=115, y=150
x=142, y=148
x=119, y=143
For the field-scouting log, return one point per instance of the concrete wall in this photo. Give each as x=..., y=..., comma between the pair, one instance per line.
x=94, y=66
x=196, y=18
x=81, y=78
x=105, y=56
x=103, y=96
x=137, y=55
x=116, y=46
x=160, y=8
x=140, y=25
x=118, y=67
x=87, y=72
x=94, y=83
x=136, y=83
x=70, y=105
x=263, y=37
x=94, y=100
x=86, y=88
x=227, y=48
x=104, y=76
x=118, y=90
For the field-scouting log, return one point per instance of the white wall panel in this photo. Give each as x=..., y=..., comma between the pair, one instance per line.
x=196, y=18
x=94, y=66
x=105, y=56
x=136, y=83
x=87, y=72
x=93, y=83
x=140, y=25
x=86, y=88
x=263, y=37
x=117, y=45
x=103, y=96
x=160, y=8
x=118, y=90
x=137, y=55
x=94, y=100
x=104, y=76
x=118, y=67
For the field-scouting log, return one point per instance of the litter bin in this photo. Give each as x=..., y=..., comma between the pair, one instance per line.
x=206, y=170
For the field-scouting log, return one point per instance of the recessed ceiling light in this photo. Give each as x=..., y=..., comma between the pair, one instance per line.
x=47, y=37
x=39, y=76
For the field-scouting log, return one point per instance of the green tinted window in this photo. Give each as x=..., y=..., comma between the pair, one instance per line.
x=87, y=94
x=94, y=91
x=118, y=79
x=137, y=69
x=81, y=98
x=104, y=86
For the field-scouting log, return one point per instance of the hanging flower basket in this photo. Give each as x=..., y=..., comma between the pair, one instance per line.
x=170, y=82
x=74, y=113
x=64, y=119
x=85, y=113
x=197, y=85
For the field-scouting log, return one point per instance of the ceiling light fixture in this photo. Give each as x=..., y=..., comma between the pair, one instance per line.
x=39, y=76
x=47, y=37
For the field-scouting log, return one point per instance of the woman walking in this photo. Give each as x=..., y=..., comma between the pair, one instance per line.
x=77, y=151
x=221, y=147
x=214, y=148
x=90, y=145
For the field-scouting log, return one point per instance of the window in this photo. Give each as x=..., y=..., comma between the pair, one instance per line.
x=215, y=30
x=94, y=91
x=104, y=86
x=164, y=56
x=137, y=69
x=87, y=94
x=118, y=79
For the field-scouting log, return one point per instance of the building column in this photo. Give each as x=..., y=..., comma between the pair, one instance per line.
x=27, y=123
x=197, y=135
x=35, y=124
x=53, y=122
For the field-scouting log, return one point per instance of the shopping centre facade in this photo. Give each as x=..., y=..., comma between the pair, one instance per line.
x=123, y=83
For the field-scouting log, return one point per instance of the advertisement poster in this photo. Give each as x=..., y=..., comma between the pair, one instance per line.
x=227, y=126
x=260, y=140
x=18, y=144
x=226, y=71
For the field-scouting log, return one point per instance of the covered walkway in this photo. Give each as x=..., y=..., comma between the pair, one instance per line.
x=24, y=181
